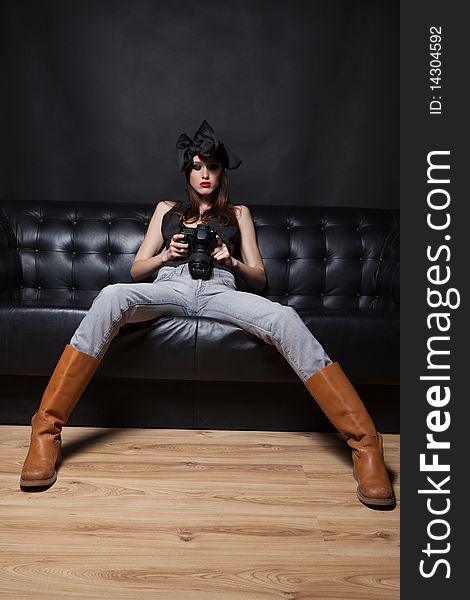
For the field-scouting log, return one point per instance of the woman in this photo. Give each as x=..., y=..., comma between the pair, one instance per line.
x=182, y=289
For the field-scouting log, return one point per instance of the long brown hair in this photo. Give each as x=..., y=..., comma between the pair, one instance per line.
x=221, y=210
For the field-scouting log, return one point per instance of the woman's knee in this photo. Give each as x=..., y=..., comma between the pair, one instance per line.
x=286, y=318
x=113, y=291
x=114, y=298
x=286, y=313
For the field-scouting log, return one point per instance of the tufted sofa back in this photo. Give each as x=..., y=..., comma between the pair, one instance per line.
x=332, y=257
x=70, y=251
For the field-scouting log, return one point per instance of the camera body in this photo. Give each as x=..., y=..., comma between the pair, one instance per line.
x=202, y=240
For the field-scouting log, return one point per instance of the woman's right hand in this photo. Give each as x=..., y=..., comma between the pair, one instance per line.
x=176, y=249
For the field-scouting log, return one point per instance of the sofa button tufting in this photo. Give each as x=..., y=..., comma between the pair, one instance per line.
x=357, y=295
x=109, y=253
x=36, y=250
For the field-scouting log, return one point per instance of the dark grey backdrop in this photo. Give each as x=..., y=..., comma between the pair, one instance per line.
x=95, y=94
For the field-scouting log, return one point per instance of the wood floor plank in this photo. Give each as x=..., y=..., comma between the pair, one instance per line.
x=323, y=579
x=192, y=515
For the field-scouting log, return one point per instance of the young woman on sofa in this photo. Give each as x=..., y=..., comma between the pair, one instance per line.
x=188, y=286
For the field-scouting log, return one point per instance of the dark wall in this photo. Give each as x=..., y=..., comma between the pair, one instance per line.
x=95, y=94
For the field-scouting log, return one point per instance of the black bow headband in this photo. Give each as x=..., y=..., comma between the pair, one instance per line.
x=204, y=144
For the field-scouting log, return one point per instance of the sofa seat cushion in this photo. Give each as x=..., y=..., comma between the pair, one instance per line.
x=225, y=352
x=33, y=335
x=366, y=340
x=191, y=348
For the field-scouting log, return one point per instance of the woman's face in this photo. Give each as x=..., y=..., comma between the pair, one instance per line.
x=205, y=175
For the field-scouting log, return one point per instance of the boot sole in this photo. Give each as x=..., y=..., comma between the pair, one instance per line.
x=27, y=484
x=37, y=483
x=375, y=501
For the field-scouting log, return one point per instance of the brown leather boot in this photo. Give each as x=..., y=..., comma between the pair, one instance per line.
x=338, y=399
x=69, y=379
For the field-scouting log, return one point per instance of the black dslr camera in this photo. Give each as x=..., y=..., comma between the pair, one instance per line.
x=202, y=240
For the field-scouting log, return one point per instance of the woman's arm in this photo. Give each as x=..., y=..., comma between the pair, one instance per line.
x=151, y=254
x=252, y=267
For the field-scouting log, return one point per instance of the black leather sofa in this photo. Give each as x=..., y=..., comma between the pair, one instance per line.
x=337, y=266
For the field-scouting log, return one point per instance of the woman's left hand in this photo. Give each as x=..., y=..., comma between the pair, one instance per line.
x=222, y=255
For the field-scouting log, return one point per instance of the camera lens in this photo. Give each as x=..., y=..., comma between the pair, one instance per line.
x=199, y=265
x=201, y=240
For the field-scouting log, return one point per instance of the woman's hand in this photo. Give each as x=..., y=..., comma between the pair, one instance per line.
x=222, y=255
x=176, y=249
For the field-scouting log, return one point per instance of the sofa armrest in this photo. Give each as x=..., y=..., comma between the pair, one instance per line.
x=10, y=264
x=388, y=273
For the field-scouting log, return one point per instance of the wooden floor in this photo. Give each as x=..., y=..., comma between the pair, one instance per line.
x=186, y=515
